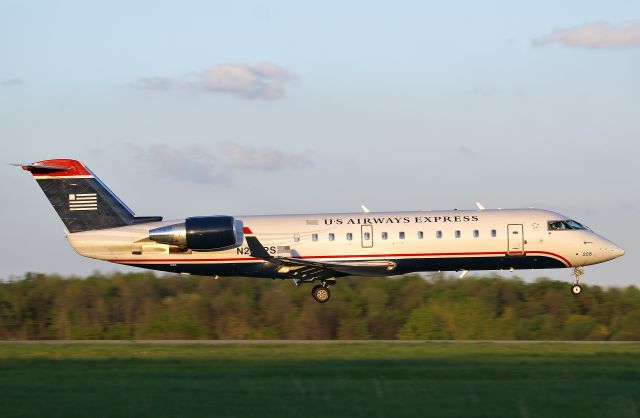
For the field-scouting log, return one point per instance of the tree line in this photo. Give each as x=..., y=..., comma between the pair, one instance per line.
x=434, y=307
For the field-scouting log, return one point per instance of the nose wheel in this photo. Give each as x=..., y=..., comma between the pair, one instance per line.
x=576, y=289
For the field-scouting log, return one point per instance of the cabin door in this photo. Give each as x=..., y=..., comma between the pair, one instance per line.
x=367, y=236
x=515, y=239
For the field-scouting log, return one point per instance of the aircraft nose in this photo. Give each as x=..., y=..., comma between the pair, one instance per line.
x=615, y=251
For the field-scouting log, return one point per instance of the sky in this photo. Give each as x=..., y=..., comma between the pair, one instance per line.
x=206, y=107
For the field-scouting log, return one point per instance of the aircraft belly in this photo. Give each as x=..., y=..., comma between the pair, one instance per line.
x=476, y=263
x=406, y=265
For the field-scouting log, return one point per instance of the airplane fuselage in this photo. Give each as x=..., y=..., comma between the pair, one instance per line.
x=414, y=241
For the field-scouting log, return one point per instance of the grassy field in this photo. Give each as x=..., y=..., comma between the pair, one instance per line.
x=320, y=380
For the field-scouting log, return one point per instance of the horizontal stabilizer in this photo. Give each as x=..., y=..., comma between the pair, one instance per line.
x=145, y=219
x=34, y=167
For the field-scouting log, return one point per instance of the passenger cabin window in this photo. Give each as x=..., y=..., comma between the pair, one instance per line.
x=401, y=235
x=349, y=236
x=420, y=235
x=366, y=236
x=385, y=235
x=332, y=236
x=438, y=234
x=564, y=225
x=494, y=233
x=296, y=237
x=314, y=237
x=458, y=234
x=476, y=233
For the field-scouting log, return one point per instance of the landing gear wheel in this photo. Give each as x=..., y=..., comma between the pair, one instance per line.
x=321, y=294
x=576, y=289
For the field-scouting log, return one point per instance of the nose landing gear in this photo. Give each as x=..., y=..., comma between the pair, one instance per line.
x=576, y=289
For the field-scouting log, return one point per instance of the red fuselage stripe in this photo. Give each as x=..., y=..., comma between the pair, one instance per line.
x=420, y=255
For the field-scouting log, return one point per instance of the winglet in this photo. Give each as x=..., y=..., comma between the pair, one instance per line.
x=256, y=249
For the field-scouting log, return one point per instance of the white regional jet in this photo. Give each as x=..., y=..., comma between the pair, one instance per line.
x=314, y=248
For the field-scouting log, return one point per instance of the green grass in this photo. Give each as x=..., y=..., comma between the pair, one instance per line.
x=320, y=380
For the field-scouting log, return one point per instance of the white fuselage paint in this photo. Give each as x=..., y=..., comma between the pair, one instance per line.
x=518, y=233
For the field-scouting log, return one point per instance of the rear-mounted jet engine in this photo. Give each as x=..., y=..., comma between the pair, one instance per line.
x=201, y=233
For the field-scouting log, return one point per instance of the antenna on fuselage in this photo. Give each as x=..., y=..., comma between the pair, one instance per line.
x=365, y=209
x=479, y=205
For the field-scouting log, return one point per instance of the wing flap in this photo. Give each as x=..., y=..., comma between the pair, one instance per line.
x=358, y=267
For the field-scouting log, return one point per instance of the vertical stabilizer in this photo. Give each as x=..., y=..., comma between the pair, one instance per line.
x=81, y=200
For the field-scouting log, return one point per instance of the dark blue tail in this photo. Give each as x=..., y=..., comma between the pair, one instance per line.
x=82, y=201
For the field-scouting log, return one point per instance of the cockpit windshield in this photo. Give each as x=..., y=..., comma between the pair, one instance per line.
x=565, y=225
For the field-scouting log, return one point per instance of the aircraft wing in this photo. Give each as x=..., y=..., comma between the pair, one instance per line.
x=317, y=270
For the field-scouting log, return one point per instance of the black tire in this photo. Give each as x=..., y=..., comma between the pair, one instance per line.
x=576, y=289
x=321, y=294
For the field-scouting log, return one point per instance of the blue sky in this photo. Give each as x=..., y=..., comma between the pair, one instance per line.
x=283, y=107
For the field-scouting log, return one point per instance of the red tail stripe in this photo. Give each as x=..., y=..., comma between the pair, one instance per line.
x=74, y=168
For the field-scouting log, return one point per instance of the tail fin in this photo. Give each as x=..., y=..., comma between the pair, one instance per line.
x=82, y=201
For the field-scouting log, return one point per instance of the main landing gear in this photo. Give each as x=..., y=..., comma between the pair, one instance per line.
x=576, y=289
x=321, y=292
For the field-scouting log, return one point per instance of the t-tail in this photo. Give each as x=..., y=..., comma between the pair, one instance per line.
x=82, y=201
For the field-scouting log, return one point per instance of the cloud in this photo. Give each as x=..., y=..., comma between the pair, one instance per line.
x=265, y=159
x=466, y=151
x=596, y=35
x=201, y=165
x=264, y=81
x=486, y=91
x=193, y=164
x=156, y=83
x=12, y=82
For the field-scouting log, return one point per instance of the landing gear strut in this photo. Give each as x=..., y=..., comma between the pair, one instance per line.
x=321, y=292
x=576, y=289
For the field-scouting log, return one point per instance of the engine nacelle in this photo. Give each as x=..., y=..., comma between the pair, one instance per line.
x=201, y=233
